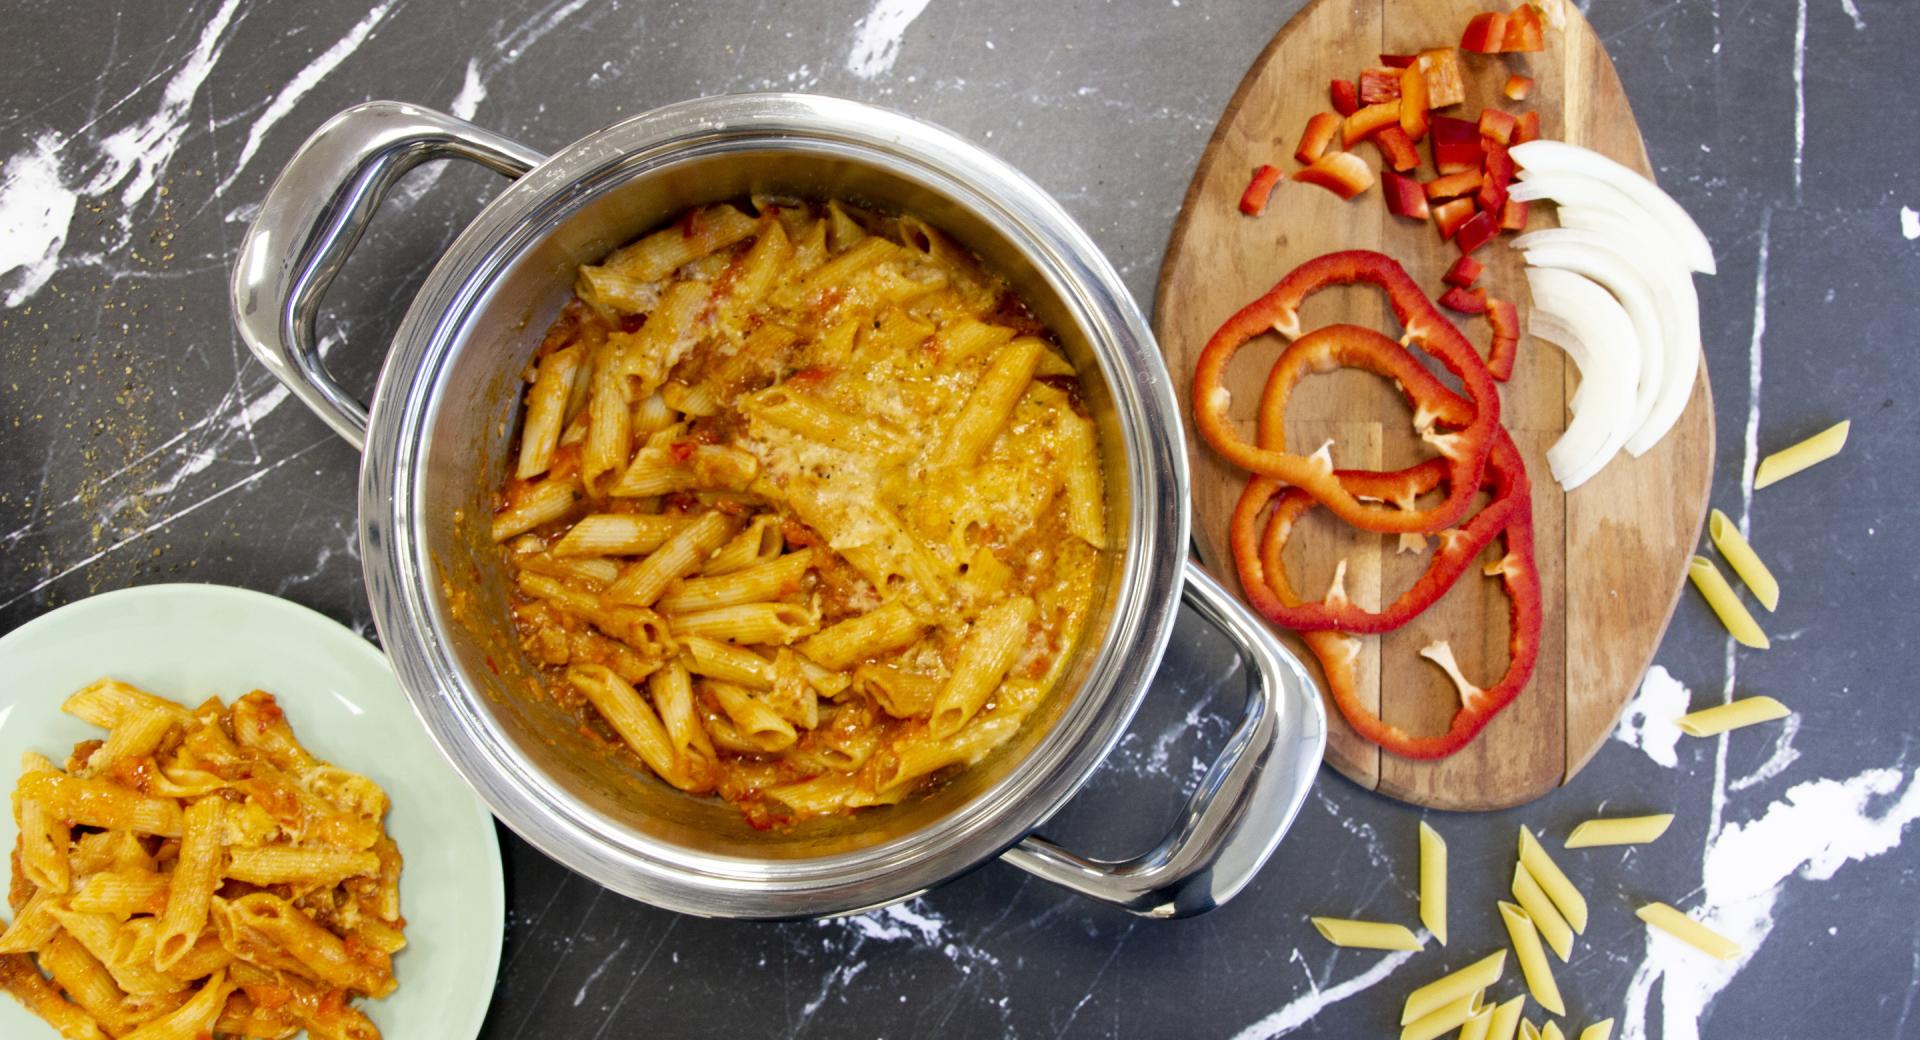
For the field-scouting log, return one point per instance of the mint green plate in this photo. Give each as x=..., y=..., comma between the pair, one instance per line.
x=189, y=642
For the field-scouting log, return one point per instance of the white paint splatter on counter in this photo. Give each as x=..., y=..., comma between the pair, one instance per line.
x=1909, y=223
x=1784, y=755
x=901, y=921
x=1819, y=827
x=1647, y=721
x=877, y=37
x=1853, y=12
x=35, y=210
x=1301, y=1009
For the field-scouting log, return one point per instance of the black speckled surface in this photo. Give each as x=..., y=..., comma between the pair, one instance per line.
x=140, y=443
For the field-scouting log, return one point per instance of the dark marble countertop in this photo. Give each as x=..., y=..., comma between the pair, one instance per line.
x=142, y=444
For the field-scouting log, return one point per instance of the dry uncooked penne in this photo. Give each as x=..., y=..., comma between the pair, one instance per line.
x=1726, y=604
x=1619, y=830
x=1746, y=711
x=1792, y=459
x=1433, y=882
x=1745, y=562
x=1365, y=935
x=1688, y=930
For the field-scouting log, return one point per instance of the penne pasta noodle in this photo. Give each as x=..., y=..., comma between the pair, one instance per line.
x=680, y=555
x=286, y=864
x=620, y=704
x=98, y=803
x=1792, y=459
x=1506, y=1019
x=190, y=889
x=1726, y=605
x=661, y=253
x=1601, y=1030
x=44, y=838
x=1529, y=1031
x=1365, y=935
x=122, y=893
x=1551, y=1031
x=539, y=503
x=1689, y=931
x=1086, y=504
x=1532, y=957
x=1745, y=562
x=775, y=579
x=757, y=723
x=1433, y=882
x=991, y=402
x=1552, y=927
x=1747, y=711
x=1548, y=875
x=1466, y=982
x=988, y=652
x=618, y=534
x=547, y=409
x=1619, y=830
x=773, y=624
x=1476, y=1027
x=1443, y=1019
x=672, y=690
x=103, y=702
x=841, y=645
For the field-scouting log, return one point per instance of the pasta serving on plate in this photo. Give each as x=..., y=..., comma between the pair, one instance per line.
x=806, y=509
x=198, y=872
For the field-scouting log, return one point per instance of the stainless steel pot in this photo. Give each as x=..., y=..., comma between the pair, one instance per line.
x=435, y=442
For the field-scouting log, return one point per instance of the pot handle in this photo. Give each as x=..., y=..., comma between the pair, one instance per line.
x=1242, y=806
x=312, y=218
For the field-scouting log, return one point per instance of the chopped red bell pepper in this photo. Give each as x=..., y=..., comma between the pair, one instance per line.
x=1253, y=201
x=1496, y=175
x=1466, y=301
x=1379, y=85
x=1346, y=98
x=1369, y=121
x=1465, y=447
x=1343, y=173
x=1413, y=103
x=1504, y=319
x=1476, y=232
x=1513, y=216
x=1397, y=61
x=1315, y=138
x=1453, y=185
x=1522, y=32
x=1456, y=145
x=1440, y=67
x=1485, y=33
x=1404, y=197
x=1397, y=149
x=1464, y=272
x=1449, y=216
x=1518, y=87
x=1526, y=127
x=1497, y=125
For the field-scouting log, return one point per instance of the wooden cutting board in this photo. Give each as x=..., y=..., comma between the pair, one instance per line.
x=1612, y=554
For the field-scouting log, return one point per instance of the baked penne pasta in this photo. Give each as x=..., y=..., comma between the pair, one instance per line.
x=1532, y=957
x=1433, y=882
x=680, y=555
x=888, y=628
x=1747, y=711
x=1688, y=931
x=1726, y=605
x=1745, y=562
x=991, y=402
x=198, y=871
x=1619, y=830
x=1365, y=935
x=989, y=651
x=1792, y=459
x=1566, y=898
x=775, y=579
x=618, y=534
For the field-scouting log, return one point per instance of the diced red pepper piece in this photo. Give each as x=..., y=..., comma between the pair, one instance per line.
x=1346, y=98
x=1466, y=301
x=1413, y=103
x=1518, y=87
x=1497, y=125
x=1396, y=148
x=1449, y=216
x=1343, y=173
x=1513, y=216
x=1404, y=197
x=1253, y=201
x=1476, y=232
x=1397, y=61
x=1445, y=84
x=1315, y=138
x=1496, y=175
x=1379, y=85
x=1369, y=121
x=1464, y=272
x=1522, y=32
x=1486, y=33
x=1456, y=145
x=1453, y=185
x=1504, y=318
x=1526, y=127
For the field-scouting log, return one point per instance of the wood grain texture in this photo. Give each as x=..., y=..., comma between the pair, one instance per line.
x=1612, y=555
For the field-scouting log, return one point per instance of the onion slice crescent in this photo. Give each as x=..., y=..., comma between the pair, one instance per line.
x=1586, y=322
x=1547, y=156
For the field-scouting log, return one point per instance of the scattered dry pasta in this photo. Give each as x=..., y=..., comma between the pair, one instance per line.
x=1792, y=459
x=1744, y=561
x=1747, y=711
x=1726, y=605
x=807, y=510
x=1620, y=830
x=1688, y=930
x=199, y=872
x=1366, y=935
x=1433, y=882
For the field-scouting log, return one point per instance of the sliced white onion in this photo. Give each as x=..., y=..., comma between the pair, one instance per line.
x=1678, y=347
x=1545, y=156
x=1587, y=323
x=1618, y=275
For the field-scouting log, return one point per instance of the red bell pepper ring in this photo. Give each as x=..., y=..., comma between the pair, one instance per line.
x=1337, y=651
x=1464, y=272
x=1425, y=327
x=1253, y=201
x=1465, y=301
x=1266, y=583
x=1346, y=98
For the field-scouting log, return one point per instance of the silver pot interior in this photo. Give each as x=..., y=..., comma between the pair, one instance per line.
x=472, y=413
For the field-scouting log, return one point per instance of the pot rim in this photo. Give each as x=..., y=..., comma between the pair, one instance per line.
x=400, y=577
